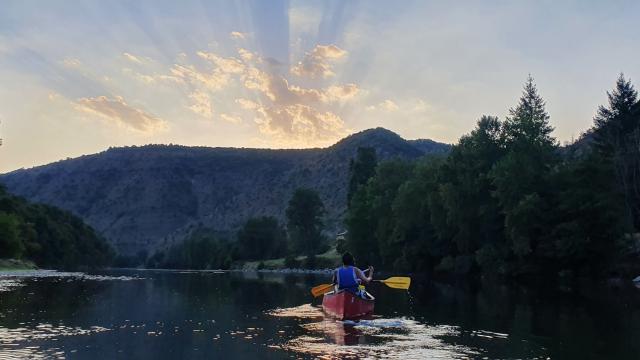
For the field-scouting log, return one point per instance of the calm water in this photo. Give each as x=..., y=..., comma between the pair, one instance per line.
x=208, y=315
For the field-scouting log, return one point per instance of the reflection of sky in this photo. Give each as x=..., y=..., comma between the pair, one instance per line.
x=86, y=75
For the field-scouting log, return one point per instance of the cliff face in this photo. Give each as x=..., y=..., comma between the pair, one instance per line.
x=140, y=198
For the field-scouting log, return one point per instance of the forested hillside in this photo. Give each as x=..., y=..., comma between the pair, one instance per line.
x=145, y=198
x=50, y=237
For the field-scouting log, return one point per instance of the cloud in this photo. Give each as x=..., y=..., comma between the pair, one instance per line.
x=201, y=104
x=342, y=92
x=234, y=119
x=236, y=35
x=300, y=125
x=289, y=114
x=223, y=65
x=318, y=62
x=71, y=62
x=132, y=58
x=247, y=104
x=388, y=105
x=246, y=55
x=385, y=105
x=189, y=74
x=119, y=111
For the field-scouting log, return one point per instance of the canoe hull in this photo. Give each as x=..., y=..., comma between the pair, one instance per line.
x=344, y=305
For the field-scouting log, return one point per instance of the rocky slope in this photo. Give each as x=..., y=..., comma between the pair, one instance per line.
x=141, y=198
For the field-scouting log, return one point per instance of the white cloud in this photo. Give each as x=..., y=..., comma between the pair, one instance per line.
x=132, y=58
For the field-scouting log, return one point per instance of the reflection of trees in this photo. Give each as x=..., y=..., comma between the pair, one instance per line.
x=575, y=324
x=45, y=300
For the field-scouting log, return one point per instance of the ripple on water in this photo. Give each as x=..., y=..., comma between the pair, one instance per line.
x=21, y=274
x=381, y=338
x=25, y=343
x=9, y=284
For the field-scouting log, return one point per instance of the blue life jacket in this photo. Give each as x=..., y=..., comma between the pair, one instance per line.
x=346, y=278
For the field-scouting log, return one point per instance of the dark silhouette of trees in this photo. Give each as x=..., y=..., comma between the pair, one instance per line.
x=304, y=221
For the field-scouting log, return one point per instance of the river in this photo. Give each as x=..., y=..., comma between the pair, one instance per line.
x=131, y=314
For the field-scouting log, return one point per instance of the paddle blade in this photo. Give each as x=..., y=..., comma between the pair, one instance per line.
x=398, y=282
x=321, y=289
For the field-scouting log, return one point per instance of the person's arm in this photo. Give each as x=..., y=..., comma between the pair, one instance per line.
x=362, y=277
x=334, y=280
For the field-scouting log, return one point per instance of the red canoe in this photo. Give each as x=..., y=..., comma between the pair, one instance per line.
x=344, y=305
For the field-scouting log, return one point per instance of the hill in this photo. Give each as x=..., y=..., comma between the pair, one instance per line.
x=140, y=198
x=47, y=236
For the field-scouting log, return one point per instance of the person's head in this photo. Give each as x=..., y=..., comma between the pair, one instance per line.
x=347, y=259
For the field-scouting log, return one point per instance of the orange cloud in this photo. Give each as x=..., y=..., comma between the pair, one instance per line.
x=300, y=125
x=201, y=104
x=318, y=62
x=117, y=110
x=238, y=35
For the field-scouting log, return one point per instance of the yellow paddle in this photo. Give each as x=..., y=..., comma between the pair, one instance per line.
x=396, y=282
x=321, y=289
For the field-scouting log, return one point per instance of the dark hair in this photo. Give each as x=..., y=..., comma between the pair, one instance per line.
x=347, y=259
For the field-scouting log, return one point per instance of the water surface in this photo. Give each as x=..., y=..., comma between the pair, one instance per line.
x=232, y=315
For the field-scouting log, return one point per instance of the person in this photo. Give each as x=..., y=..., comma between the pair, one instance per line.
x=348, y=277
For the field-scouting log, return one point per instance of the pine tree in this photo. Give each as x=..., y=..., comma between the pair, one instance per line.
x=528, y=123
x=617, y=138
x=521, y=176
x=613, y=122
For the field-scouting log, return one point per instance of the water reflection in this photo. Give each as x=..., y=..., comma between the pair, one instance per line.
x=202, y=315
x=396, y=338
x=35, y=342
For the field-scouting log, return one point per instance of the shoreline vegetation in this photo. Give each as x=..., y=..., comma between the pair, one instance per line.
x=47, y=237
x=506, y=202
x=16, y=264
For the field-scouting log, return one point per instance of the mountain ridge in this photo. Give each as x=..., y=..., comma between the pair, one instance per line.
x=141, y=197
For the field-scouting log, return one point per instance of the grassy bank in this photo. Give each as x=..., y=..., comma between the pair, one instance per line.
x=14, y=264
x=329, y=259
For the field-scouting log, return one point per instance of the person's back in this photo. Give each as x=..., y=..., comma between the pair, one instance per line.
x=348, y=277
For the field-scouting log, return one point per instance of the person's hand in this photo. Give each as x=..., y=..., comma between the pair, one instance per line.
x=370, y=270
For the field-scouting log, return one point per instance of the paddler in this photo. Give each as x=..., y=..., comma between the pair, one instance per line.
x=349, y=277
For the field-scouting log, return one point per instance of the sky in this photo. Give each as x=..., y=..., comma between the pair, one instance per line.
x=79, y=77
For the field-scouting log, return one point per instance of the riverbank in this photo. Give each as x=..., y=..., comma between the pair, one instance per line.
x=328, y=260
x=14, y=264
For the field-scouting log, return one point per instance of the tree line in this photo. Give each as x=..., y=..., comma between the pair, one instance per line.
x=48, y=236
x=260, y=238
x=508, y=199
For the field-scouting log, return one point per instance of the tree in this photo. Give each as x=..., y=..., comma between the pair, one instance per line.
x=527, y=126
x=304, y=221
x=370, y=220
x=10, y=244
x=617, y=138
x=262, y=238
x=361, y=170
x=616, y=120
x=521, y=176
x=467, y=188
